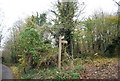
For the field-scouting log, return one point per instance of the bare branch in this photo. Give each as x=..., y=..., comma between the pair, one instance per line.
x=116, y=3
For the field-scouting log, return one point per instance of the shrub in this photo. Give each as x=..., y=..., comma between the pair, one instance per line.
x=35, y=52
x=29, y=41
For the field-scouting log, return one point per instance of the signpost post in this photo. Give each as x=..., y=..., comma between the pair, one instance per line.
x=60, y=48
x=59, y=54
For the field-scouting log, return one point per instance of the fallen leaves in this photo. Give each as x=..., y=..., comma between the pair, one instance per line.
x=105, y=68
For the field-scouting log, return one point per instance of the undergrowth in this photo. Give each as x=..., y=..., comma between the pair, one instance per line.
x=65, y=73
x=54, y=73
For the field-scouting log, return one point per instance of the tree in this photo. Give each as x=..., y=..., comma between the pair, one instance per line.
x=101, y=30
x=0, y=37
x=66, y=19
x=40, y=23
x=29, y=45
x=1, y=25
x=36, y=21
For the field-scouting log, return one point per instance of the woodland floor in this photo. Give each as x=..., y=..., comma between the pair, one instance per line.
x=100, y=68
x=106, y=69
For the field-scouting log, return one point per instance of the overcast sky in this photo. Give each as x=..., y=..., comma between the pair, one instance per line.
x=19, y=9
x=14, y=9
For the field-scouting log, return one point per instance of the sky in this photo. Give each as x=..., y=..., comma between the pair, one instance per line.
x=13, y=10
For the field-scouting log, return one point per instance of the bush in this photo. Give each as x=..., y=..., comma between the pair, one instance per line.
x=29, y=41
x=35, y=52
x=14, y=58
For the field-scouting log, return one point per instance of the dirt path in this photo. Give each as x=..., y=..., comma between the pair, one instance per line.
x=105, y=71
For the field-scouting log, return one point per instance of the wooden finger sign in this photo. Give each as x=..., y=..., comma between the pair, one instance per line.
x=64, y=41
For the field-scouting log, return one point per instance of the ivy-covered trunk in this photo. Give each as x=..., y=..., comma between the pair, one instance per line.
x=65, y=14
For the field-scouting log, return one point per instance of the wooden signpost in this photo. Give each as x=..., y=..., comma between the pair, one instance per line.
x=59, y=55
x=60, y=48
